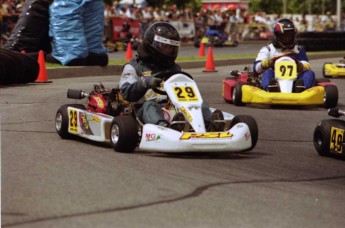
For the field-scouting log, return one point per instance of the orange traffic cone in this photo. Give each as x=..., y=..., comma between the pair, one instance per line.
x=129, y=52
x=42, y=75
x=209, y=66
x=202, y=49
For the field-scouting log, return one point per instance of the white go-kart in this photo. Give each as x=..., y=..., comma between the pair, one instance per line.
x=110, y=119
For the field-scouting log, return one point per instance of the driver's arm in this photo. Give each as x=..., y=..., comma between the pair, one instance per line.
x=302, y=57
x=131, y=86
x=264, y=54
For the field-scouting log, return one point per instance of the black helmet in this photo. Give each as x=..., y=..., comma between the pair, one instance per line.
x=284, y=34
x=161, y=43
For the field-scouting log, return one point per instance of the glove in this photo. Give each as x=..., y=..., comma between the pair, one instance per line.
x=155, y=82
x=267, y=63
x=300, y=66
x=151, y=82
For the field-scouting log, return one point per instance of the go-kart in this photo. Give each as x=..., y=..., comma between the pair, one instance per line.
x=244, y=88
x=329, y=135
x=334, y=69
x=108, y=118
x=215, y=38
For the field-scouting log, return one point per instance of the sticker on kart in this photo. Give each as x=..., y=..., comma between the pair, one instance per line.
x=73, y=120
x=337, y=138
x=185, y=94
x=78, y=119
x=210, y=135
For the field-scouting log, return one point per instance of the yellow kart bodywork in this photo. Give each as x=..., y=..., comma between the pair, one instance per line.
x=255, y=95
x=333, y=70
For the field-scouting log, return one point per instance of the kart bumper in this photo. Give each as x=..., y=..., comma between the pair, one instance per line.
x=312, y=96
x=334, y=71
x=161, y=139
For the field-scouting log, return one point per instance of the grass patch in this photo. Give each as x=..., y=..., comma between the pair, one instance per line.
x=196, y=58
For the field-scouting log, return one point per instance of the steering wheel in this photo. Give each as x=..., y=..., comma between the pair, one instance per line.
x=165, y=75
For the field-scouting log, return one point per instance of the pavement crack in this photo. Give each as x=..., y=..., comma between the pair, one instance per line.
x=195, y=193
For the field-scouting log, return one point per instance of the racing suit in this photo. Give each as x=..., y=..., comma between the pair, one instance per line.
x=269, y=52
x=133, y=89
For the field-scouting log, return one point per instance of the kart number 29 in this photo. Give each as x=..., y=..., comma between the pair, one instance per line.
x=285, y=70
x=337, y=138
x=185, y=93
x=73, y=120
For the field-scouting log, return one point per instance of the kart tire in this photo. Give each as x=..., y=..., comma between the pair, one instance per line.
x=324, y=71
x=235, y=44
x=331, y=96
x=253, y=127
x=62, y=120
x=197, y=43
x=124, y=135
x=322, y=135
x=237, y=94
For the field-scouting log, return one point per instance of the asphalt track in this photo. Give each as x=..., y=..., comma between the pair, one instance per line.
x=50, y=182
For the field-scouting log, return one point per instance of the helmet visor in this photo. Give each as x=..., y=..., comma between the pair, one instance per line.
x=166, y=46
x=287, y=38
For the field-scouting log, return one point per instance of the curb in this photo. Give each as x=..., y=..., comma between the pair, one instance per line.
x=91, y=71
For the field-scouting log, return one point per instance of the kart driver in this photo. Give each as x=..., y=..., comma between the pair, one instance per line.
x=283, y=43
x=157, y=53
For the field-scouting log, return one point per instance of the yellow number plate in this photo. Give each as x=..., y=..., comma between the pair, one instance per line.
x=286, y=70
x=185, y=93
x=337, y=138
x=73, y=121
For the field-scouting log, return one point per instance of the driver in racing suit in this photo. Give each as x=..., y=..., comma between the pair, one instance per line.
x=157, y=53
x=283, y=42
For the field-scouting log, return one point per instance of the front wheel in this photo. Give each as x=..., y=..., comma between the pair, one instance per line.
x=251, y=123
x=237, y=94
x=321, y=137
x=330, y=96
x=124, y=135
x=62, y=120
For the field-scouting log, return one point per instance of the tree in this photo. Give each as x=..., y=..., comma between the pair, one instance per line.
x=294, y=6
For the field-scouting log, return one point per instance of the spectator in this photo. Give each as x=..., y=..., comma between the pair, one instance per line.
x=116, y=8
x=328, y=23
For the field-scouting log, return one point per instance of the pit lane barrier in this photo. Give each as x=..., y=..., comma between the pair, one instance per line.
x=322, y=41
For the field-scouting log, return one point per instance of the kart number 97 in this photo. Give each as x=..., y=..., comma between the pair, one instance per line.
x=185, y=93
x=286, y=70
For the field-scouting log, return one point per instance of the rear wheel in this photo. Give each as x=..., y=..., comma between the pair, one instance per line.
x=124, y=134
x=237, y=94
x=321, y=137
x=253, y=127
x=62, y=120
x=235, y=44
x=330, y=96
x=196, y=42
